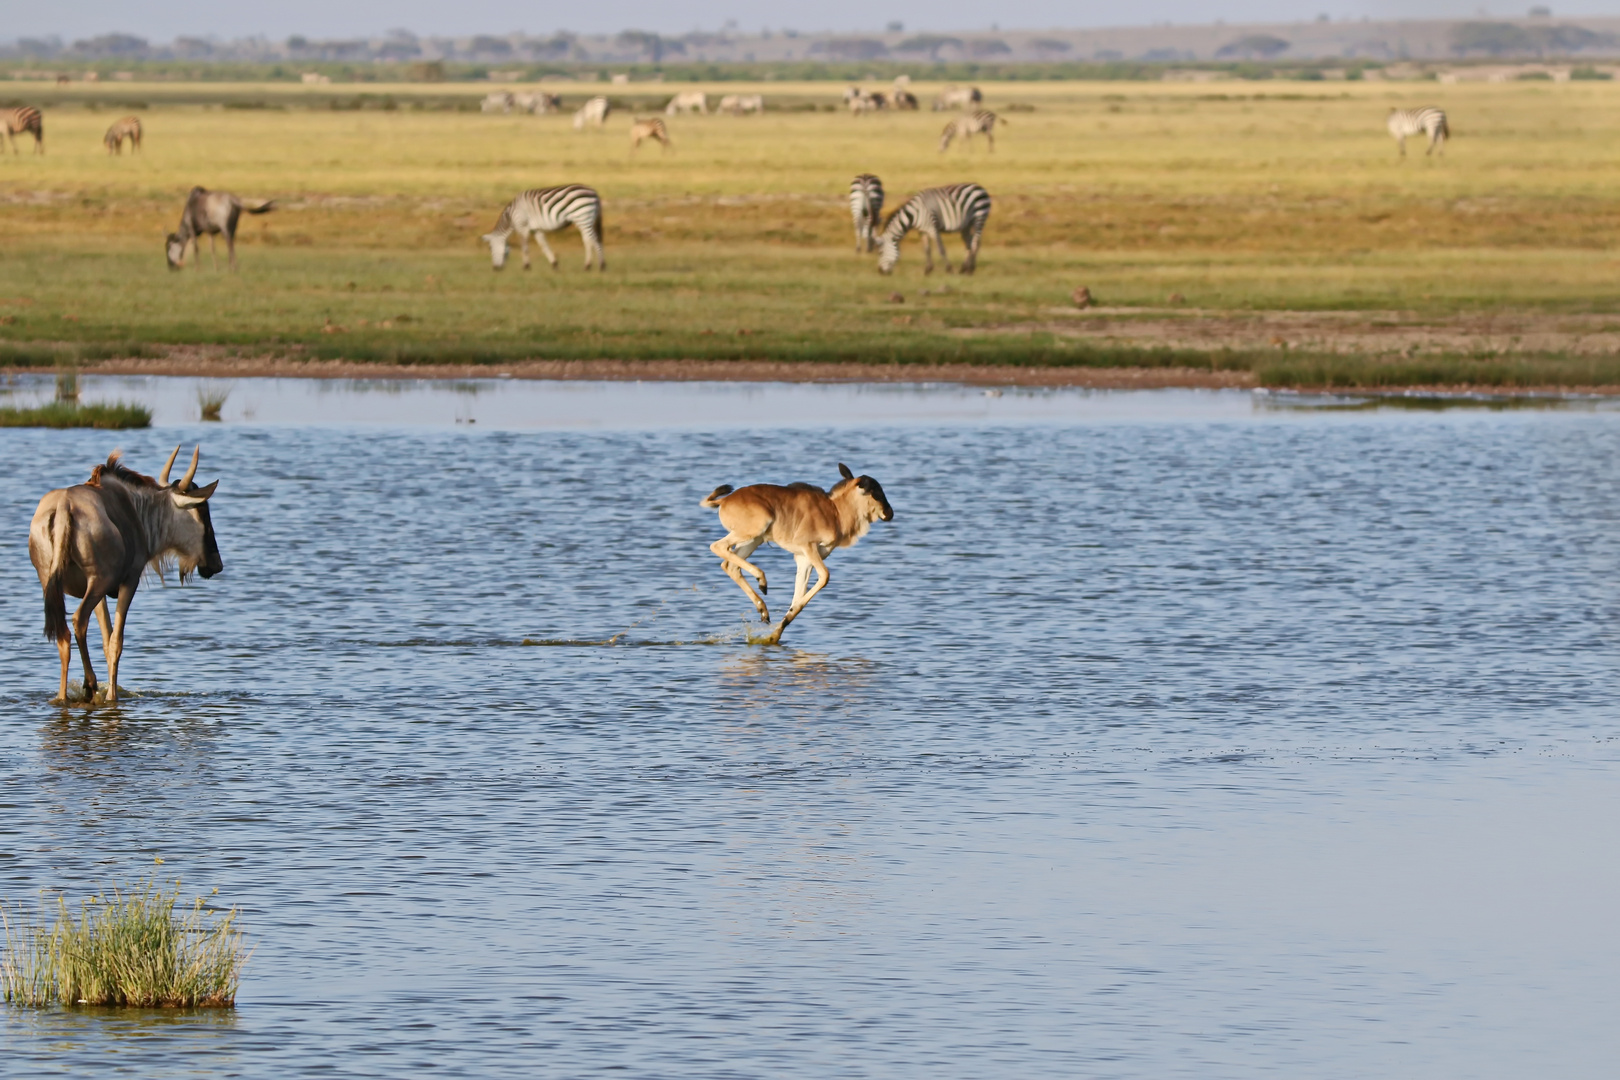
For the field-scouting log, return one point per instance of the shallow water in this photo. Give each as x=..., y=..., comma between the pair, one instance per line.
x=1160, y=735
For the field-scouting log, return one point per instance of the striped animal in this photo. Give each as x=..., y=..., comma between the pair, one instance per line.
x=540, y=102
x=649, y=129
x=866, y=207
x=211, y=212
x=978, y=122
x=1426, y=120
x=498, y=102
x=127, y=128
x=543, y=210
x=957, y=208
x=593, y=112
x=24, y=118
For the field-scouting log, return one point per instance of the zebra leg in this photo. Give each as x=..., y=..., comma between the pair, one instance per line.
x=540, y=237
x=970, y=241
x=524, y=237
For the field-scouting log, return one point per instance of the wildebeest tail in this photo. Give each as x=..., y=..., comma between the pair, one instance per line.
x=716, y=495
x=61, y=531
x=265, y=209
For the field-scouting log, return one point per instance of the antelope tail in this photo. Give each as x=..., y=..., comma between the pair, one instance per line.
x=56, y=624
x=265, y=209
x=712, y=501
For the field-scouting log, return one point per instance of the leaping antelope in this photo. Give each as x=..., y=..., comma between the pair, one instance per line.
x=801, y=519
x=97, y=539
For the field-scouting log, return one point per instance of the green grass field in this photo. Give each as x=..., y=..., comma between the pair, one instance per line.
x=1175, y=204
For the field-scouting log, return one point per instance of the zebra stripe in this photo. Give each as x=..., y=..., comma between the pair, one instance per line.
x=1426, y=120
x=977, y=122
x=127, y=128
x=543, y=210
x=957, y=208
x=24, y=118
x=866, y=207
x=649, y=129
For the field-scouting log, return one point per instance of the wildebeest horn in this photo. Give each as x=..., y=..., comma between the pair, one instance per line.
x=191, y=470
x=844, y=469
x=167, y=465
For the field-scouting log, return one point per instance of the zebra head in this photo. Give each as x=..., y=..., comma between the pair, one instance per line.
x=889, y=248
x=497, y=248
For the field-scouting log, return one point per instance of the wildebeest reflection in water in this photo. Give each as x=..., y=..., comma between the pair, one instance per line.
x=96, y=539
x=801, y=519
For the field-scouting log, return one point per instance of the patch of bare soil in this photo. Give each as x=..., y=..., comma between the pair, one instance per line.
x=1364, y=333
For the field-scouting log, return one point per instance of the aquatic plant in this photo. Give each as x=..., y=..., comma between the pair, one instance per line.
x=211, y=399
x=67, y=385
x=124, y=948
x=113, y=416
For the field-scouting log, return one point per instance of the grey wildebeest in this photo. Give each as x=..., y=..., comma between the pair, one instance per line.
x=98, y=538
x=210, y=212
x=803, y=520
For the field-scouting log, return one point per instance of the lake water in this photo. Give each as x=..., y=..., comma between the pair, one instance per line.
x=1160, y=735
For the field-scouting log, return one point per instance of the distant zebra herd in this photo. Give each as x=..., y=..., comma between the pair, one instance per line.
x=954, y=208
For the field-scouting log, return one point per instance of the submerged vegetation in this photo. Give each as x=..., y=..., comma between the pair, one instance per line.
x=124, y=948
x=1177, y=205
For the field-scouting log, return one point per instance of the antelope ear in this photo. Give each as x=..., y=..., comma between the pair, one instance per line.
x=194, y=498
x=844, y=471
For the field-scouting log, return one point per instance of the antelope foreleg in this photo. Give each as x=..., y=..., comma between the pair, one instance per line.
x=801, y=598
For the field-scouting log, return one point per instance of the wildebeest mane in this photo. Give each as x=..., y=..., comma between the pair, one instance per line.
x=116, y=468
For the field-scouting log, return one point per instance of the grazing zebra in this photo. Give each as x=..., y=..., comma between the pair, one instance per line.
x=649, y=129
x=958, y=97
x=957, y=208
x=541, y=102
x=127, y=128
x=1427, y=120
x=594, y=112
x=866, y=207
x=211, y=212
x=24, y=118
x=498, y=102
x=738, y=104
x=978, y=122
x=543, y=210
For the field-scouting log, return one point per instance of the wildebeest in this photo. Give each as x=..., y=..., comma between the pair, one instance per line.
x=97, y=539
x=593, y=112
x=211, y=212
x=801, y=519
x=688, y=101
x=127, y=128
x=649, y=129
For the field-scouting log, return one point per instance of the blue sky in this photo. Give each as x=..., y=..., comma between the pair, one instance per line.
x=164, y=19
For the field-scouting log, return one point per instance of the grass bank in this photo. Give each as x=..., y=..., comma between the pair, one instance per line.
x=1195, y=214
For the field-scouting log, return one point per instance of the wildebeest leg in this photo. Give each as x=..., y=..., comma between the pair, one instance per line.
x=81, y=632
x=113, y=644
x=806, y=561
x=64, y=646
x=213, y=250
x=230, y=249
x=551, y=256
x=735, y=562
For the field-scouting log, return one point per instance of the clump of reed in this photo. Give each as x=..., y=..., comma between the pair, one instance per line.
x=112, y=416
x=124, y=948
x=211, y=398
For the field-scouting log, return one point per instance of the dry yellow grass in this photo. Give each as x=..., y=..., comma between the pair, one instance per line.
x=1236, y=196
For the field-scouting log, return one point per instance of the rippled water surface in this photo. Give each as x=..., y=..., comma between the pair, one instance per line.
x=1157, y=736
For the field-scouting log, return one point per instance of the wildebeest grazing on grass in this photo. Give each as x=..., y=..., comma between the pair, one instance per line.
x=127, y=128
x=97, y=539
x=211, y=212
x=23, y=119
x=803, y=520
x=543, y=210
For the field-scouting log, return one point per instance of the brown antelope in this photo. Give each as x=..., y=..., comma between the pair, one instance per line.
x=97, y=539
x=801, y=519
x=127, y=128
x=649, y=129
x=211, y=212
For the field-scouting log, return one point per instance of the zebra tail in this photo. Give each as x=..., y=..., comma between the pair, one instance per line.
x=265, y=209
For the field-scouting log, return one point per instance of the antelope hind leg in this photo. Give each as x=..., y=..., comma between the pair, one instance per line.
x=734, y=564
